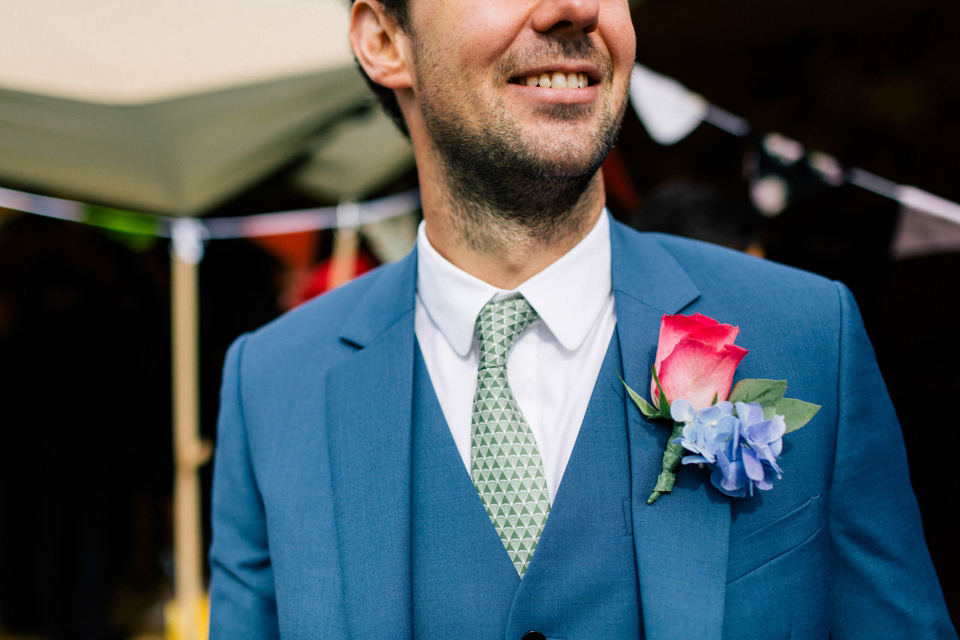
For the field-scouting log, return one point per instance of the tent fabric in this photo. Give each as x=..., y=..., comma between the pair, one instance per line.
x=140, y=51
x=178, y=156
x=174, y=106
x=343, y=165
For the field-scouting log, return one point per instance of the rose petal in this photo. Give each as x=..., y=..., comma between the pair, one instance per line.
x=716, y=335
x=675, y=328
x=698, y=372
x=675, y=331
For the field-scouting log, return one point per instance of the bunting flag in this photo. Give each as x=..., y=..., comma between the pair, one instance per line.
x=781, y=169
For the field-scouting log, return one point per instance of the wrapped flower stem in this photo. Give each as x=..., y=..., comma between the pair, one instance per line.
x=671, y=459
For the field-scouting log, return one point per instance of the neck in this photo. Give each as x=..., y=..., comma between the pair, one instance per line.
x=505, y=249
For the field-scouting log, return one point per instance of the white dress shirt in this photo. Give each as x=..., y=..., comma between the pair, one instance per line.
x=552, y=367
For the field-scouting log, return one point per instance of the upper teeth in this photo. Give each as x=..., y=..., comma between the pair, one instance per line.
x=557, y=80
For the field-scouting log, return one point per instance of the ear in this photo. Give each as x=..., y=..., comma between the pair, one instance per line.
x=380, y=45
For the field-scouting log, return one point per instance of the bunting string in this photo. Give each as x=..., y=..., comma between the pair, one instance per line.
x=347, y=214
x=658, y=99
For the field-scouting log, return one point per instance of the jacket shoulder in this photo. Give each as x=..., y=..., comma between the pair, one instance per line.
x=320, y=329
x=730, y=281
x=716, y=266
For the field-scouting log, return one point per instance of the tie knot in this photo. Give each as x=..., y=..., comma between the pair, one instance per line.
x=499, y=324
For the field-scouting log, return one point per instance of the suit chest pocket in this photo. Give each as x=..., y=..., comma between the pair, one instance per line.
x=768, y=543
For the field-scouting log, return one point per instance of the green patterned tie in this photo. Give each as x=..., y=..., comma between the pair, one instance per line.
x=507, y=470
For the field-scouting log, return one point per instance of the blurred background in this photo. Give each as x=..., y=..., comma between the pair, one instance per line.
x=133, y=115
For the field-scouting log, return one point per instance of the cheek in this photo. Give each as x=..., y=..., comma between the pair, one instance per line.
x=481, y=35
x=618, y=33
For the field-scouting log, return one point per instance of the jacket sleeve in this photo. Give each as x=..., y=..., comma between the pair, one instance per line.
x=883, y=581
x=242, y=598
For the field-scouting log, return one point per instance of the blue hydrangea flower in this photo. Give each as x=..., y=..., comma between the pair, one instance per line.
x=705, y=431
x=735, y=441
x=749, y=457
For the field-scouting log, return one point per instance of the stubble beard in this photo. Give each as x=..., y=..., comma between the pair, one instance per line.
x=504, y=186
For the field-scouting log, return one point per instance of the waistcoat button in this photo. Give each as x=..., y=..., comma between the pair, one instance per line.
x=534, y=635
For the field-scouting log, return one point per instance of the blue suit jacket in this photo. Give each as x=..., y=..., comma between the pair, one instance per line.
x=311, y=501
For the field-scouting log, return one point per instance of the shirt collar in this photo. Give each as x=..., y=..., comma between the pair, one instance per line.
x=568, y=295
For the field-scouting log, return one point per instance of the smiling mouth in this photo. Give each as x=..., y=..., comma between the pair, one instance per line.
x=555, y=80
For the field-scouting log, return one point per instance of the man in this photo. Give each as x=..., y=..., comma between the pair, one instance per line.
x=357, y=489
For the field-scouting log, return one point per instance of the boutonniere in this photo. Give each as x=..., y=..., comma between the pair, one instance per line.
x=737, y=434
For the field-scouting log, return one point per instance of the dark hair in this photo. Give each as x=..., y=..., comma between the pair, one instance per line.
x=396, y=9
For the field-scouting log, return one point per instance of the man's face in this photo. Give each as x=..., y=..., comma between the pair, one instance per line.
x=480, y=67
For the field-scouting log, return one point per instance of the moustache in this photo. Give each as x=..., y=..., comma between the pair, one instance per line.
x=551, y=50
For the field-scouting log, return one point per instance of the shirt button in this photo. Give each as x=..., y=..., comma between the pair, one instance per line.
x=534, y=635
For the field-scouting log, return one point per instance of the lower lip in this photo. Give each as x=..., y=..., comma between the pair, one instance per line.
x=555, y=96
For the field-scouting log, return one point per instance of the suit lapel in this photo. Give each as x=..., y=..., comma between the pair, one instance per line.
x=369, y=421
x=682, y=540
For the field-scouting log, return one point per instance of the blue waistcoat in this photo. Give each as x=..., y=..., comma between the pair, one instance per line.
x=582, y=581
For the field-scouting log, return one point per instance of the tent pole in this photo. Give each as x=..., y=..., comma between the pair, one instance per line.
x=189, y=451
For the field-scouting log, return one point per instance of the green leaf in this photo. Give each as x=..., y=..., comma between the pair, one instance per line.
x=645, y=407
x=664, y=402
x=765, y=392
x=796, y=413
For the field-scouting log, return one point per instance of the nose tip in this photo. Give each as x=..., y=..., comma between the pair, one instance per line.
x=572, y=15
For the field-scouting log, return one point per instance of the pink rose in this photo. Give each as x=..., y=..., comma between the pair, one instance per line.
x=696, y=359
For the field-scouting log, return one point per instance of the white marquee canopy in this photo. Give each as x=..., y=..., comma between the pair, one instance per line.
x=173, y=106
